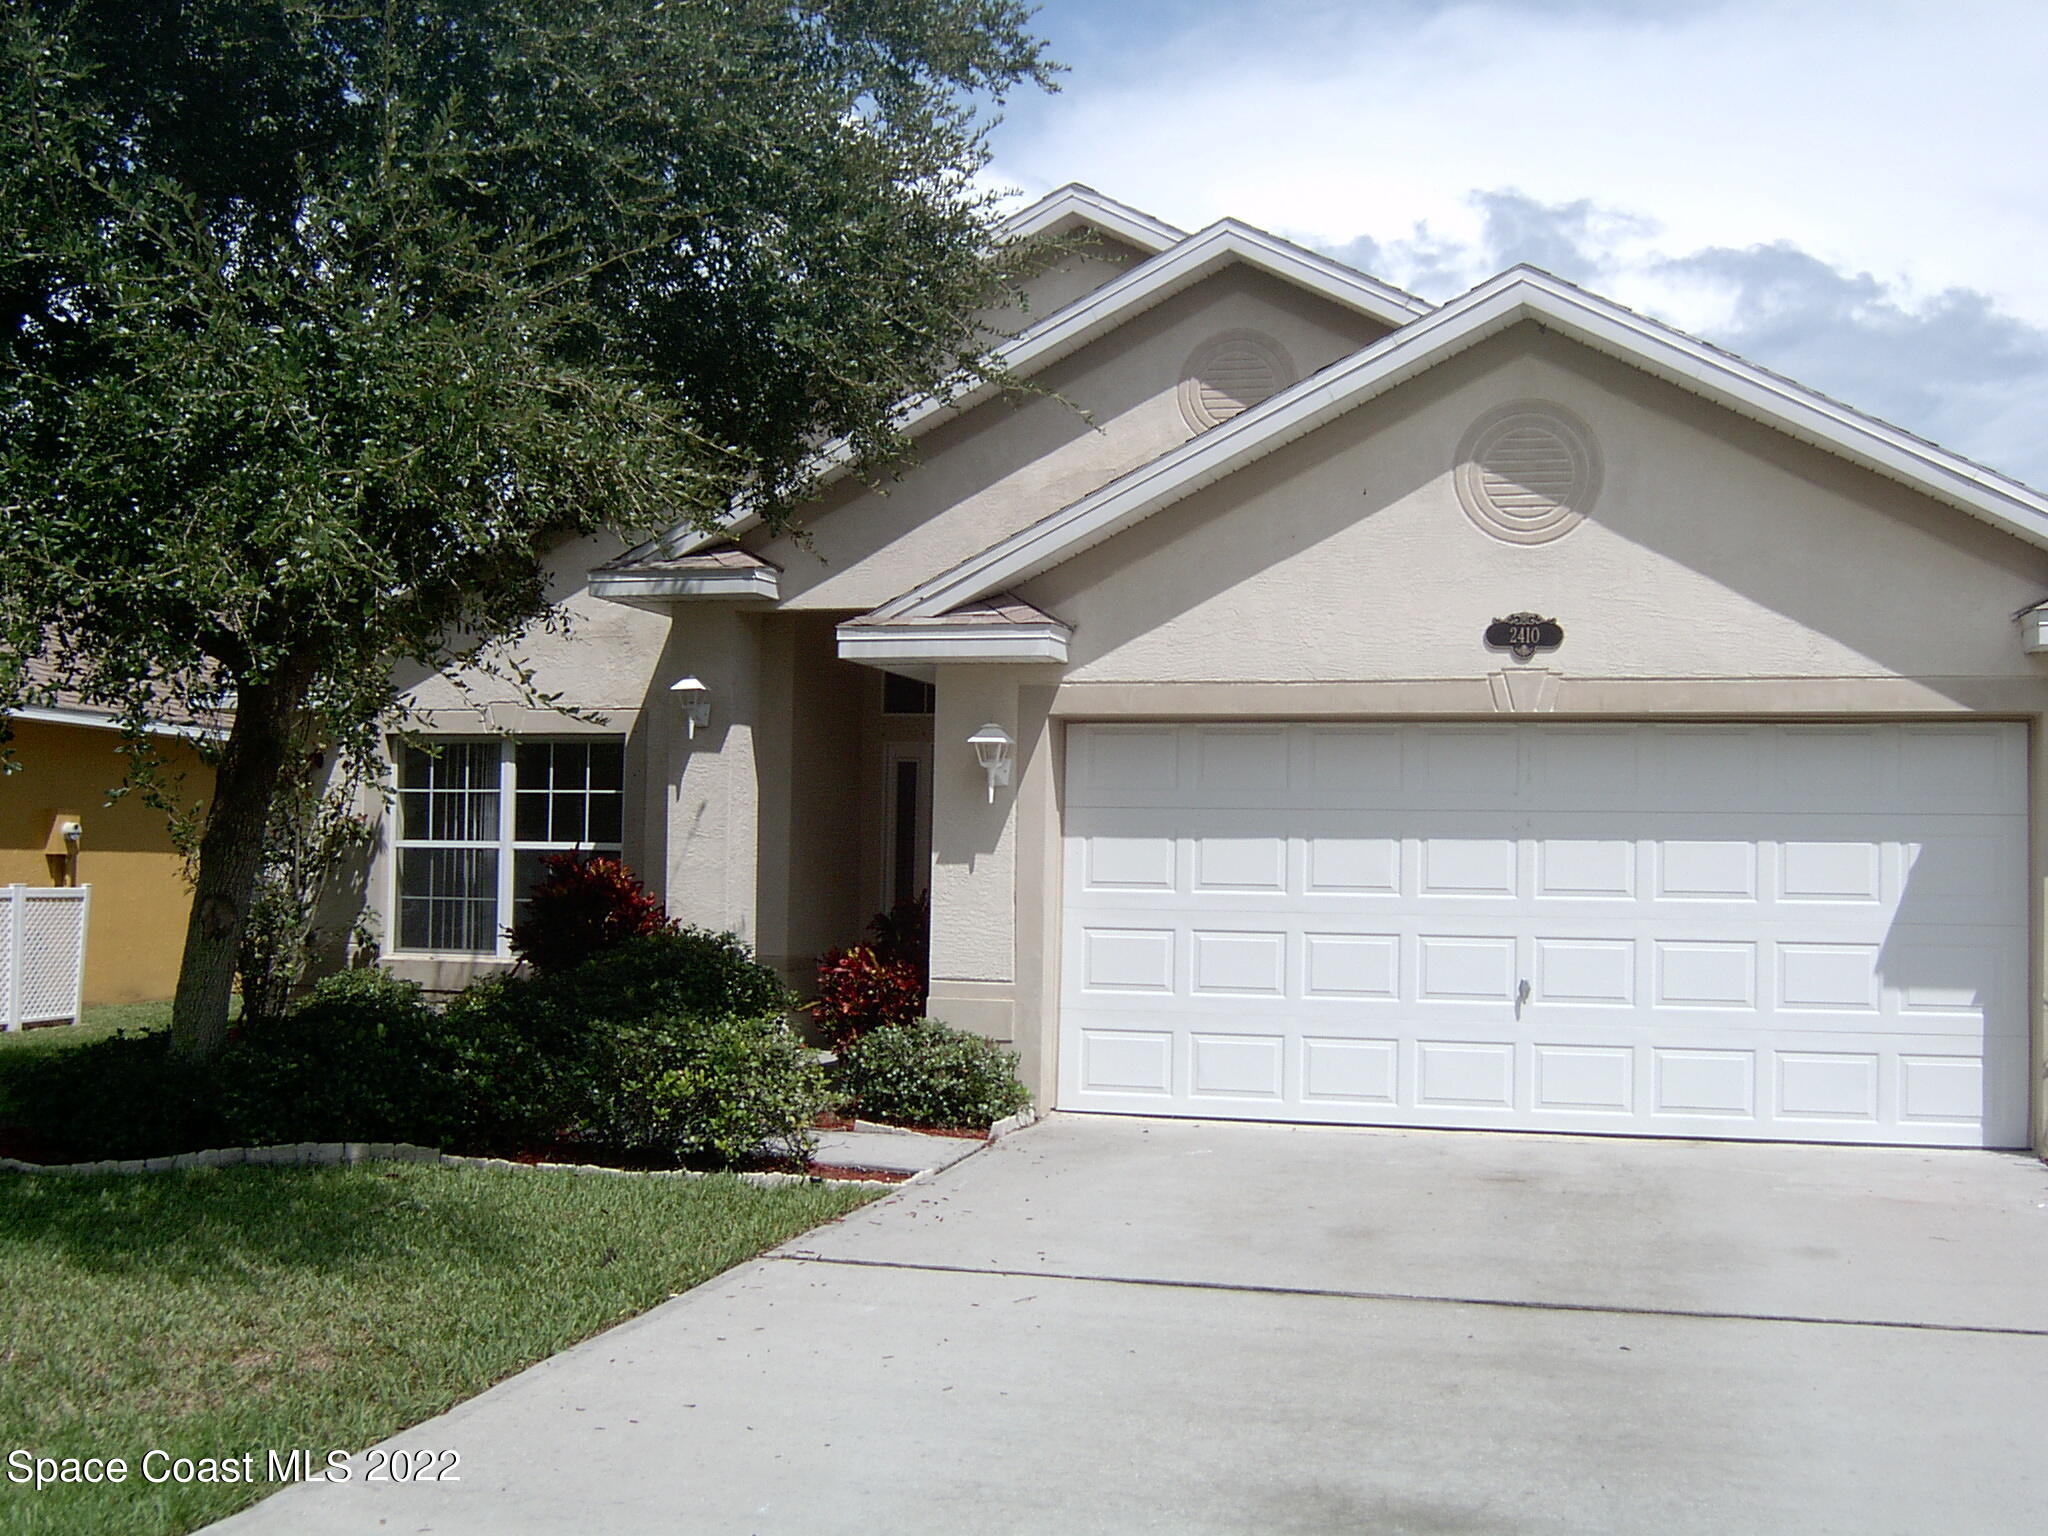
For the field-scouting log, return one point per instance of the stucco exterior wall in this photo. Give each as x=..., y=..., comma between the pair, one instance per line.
x=1102, y=411
x=1046, y=293
x=136, y=933
x=1717, y=549
x=604, y=660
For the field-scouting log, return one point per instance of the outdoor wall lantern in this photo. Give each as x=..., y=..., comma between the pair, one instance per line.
x=695, y=698
x=992, y=746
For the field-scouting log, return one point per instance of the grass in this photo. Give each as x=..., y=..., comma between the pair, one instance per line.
x=100, y=1021
x=245, y=1309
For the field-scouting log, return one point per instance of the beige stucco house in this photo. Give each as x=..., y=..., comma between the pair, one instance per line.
x=1510, y=713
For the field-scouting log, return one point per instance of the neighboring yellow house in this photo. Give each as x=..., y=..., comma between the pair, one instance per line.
x=69, y=763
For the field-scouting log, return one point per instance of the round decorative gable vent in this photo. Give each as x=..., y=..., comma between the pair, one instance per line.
x=1231, y=373
x=1528, y=473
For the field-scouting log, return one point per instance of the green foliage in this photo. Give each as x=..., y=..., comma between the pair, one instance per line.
x=322, y=321
x=690, y=970
x=927, y=1073
x=670, y=1047
x=120, y=1096
x=704, y=1086
x=634, y=1048
x=368, y=1058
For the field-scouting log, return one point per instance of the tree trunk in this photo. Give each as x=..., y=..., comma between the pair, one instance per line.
x=267, y=719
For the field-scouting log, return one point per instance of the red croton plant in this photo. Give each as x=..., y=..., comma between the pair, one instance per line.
x=581, y=907
x=883, y=982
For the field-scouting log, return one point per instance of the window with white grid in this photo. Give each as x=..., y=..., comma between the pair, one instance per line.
x=475, y=820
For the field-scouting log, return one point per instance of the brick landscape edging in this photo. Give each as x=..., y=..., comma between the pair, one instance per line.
x=339, y=1154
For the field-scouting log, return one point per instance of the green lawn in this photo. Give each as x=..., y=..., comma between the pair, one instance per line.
x=100, y=1021
x=240, y=1310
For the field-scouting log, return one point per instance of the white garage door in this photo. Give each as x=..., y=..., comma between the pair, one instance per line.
x=1796, y=932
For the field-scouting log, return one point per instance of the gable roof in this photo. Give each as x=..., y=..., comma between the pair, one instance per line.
x=1225, y=243
x=1073, y=204
x=715, y=570
x=1519, y=294
x=999, y=628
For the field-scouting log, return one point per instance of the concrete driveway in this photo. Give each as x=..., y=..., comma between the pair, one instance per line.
x=1131, y=1325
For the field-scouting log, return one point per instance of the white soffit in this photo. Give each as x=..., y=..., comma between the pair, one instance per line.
x=1522, y=293
x=1095, y=315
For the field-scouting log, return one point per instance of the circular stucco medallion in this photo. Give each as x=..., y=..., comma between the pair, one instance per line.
x=1528, y=472
x=1230, y=373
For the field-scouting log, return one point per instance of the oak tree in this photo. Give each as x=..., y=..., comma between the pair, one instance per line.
x=322, y=320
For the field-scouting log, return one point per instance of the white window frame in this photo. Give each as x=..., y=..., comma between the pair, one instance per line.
x=507, y=846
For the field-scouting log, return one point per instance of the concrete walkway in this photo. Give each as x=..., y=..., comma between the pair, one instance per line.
x=888, y=1149
x=1122, y=1325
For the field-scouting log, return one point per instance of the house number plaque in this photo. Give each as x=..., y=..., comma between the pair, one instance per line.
x=1525, y=634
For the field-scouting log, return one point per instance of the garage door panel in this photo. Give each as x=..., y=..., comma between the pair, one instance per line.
x=1709, y=945
x=1596, y=868
x=1361, y=864
x=1708, y=768
x=1585, y=767
x=1362, y=1072
x=1124, y=764
x=1237, y=765
x=1348, y=767
x=1237, y=1065
x=1577, y=1079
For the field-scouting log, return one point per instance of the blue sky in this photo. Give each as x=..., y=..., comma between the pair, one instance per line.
x=1855, y=195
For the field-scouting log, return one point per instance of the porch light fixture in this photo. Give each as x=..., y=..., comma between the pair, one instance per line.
x=992, y=746
x=695, y=698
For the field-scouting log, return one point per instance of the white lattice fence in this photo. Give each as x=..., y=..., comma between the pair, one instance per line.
x=42, y=952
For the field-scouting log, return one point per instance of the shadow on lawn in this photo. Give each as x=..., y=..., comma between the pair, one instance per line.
x=256, y=1221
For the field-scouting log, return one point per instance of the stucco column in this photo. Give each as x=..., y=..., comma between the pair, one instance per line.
x=974, y=858
x=996, y=867
x=712, y=800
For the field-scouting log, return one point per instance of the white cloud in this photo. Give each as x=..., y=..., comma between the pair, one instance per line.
x=1900, y=135
x=1951, y=366
x=1852, y=196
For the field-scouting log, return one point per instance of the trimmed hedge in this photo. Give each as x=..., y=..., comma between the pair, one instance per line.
x=366, y=1058
x=668, y=1047
x=930, y=1074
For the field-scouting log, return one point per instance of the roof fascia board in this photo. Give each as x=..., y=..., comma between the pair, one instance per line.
x=1128, y=224
x=1514, y=296
x=929, y=644
x=98, y=722
x=1096, y=314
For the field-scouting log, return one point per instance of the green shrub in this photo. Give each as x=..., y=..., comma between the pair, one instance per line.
x=366, y=1058
x=717, y=1087
x=712, y=975
x=672, y=1044
x=927, y=1073
x=122, y=1097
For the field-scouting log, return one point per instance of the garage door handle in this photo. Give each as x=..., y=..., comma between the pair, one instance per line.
x=1521, y=997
